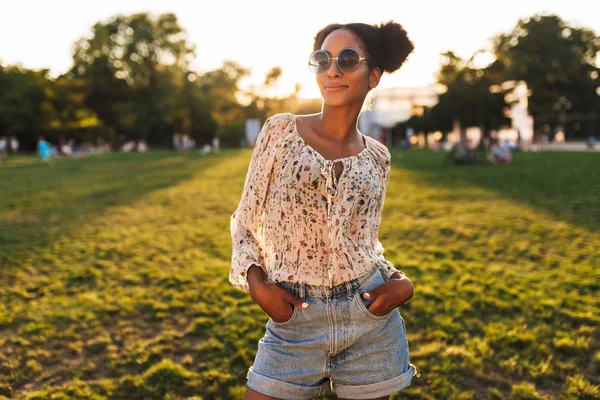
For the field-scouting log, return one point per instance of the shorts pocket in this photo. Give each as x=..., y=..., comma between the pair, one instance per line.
x=289, y=321
x=374, y=279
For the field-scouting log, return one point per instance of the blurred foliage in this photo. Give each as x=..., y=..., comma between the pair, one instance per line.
x=467, y=99
x=135, y=70
x=558, y=62
x=132, y=78
x=556, y=59
x=24, y=103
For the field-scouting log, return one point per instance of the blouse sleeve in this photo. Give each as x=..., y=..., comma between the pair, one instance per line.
x=387, y=268
x=247, y=220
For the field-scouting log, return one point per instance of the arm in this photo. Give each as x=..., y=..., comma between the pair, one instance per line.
x=247, y=220
x=388, y=270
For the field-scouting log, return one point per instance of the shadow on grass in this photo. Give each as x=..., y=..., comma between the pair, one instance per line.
x=566, y=185
x=123, y=256
x=39, y=203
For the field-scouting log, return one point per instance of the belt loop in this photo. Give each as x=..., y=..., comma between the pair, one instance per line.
x=303, y=291
x=349, y=288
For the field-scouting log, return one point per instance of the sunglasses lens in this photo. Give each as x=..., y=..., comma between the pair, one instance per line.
x=348, y=60
x=319, y=62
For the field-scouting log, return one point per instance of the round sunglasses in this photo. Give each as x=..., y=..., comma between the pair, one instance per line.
x=347, y=61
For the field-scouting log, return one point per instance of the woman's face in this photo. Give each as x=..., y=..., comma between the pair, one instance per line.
x=340, y=88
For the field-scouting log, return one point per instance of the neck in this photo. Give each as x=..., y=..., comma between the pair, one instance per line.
x=339, y=124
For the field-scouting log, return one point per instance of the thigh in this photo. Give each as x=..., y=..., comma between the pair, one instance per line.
x=291, y=359
x=254, y=395
x=376, y=363
x=377, y=398
x=379, y=354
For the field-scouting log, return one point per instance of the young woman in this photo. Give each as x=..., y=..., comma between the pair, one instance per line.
x=305, y=235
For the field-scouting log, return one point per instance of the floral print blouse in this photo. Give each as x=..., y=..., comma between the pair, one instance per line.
x=298, y=222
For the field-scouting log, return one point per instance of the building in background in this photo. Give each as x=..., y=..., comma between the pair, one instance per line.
x=393, y=106
x=252, y=128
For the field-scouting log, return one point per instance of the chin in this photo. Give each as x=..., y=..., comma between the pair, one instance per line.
x=337, y=99
x=341, y=102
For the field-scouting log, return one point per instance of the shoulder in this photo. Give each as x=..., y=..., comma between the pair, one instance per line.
x=380, y=152
x=275, y=128
x=279, y=121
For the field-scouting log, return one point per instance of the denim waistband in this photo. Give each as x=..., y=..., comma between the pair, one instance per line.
x=302, y=290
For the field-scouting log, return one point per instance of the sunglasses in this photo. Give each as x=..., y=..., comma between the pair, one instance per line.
x=347, y=61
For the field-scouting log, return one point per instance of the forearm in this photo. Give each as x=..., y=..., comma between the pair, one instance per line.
x=255, y=276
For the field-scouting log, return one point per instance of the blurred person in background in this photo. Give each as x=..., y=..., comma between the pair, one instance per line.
x=3, y=148
x=499, y=154
x=44, y=149
x=14, y=144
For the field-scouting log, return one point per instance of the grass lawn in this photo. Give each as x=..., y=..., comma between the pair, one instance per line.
x=113, y=276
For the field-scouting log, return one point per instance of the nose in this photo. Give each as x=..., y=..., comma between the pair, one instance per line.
x=334, y=70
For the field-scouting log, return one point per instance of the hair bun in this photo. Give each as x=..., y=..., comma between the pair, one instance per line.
x=395, y=46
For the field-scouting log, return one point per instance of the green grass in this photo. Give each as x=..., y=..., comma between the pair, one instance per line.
x=113, y=277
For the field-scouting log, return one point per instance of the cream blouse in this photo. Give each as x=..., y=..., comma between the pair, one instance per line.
x=297, y=222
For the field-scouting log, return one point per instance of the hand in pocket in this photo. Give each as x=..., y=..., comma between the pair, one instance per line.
x=277, y=302
x=389, y=295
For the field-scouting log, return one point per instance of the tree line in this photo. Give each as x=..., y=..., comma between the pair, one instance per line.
x=559, y=63
x=132, y=78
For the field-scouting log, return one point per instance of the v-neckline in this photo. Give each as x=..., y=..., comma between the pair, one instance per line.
x=334, y=161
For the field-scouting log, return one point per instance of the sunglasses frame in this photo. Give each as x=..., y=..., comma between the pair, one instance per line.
x=360, y=59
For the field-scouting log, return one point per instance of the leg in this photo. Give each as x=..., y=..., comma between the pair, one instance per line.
x=375, y=361
x=254, y=395
x=378, y=398
x=291, y=356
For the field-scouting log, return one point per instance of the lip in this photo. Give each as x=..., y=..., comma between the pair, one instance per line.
x=335, y=87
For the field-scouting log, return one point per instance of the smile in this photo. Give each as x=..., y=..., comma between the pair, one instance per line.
x=335, y=88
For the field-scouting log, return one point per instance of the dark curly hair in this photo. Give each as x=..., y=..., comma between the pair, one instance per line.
x=387, y=45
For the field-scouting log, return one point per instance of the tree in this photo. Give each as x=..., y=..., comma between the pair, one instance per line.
x=133, y=65
x=195, y=111
x=264, y=99
x=68, y=109
x=558, y=62
x=33, y=104
x=222, y=85
x=467, y=100
x=24, y=106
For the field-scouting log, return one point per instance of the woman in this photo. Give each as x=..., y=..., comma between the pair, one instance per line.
x=305, y=240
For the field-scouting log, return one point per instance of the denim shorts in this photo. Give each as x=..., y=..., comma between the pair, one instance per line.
x=336, y=344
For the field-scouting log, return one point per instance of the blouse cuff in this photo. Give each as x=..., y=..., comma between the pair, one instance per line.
x=239, y=276
x=245, y=252
x=387, y=270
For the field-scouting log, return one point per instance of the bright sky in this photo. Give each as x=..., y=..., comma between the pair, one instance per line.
x=261, y=34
